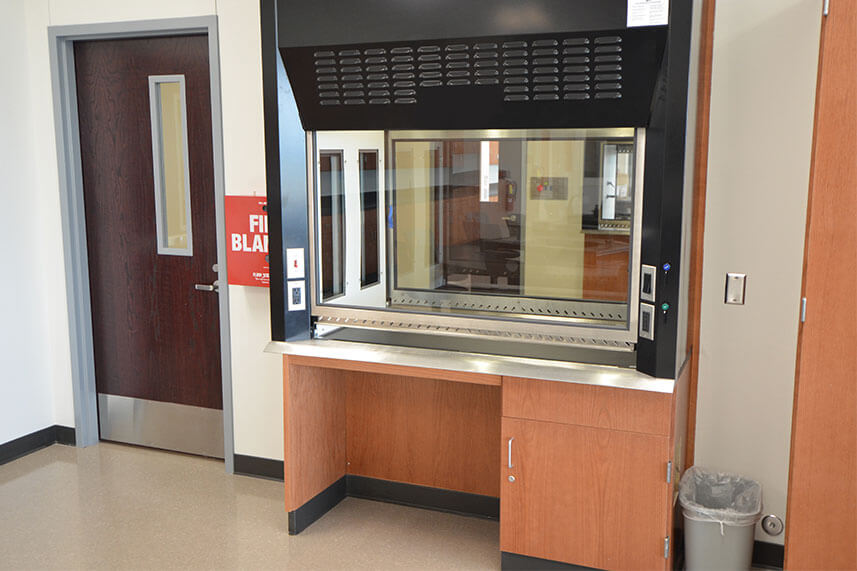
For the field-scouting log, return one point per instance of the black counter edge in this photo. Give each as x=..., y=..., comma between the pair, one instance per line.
x=258, y=467
x=37, y=440
x=310, y=512
x=515, y=562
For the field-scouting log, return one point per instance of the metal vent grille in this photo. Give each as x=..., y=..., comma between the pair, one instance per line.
x=395, y=325
x=508, y=304
x=548, y=69
x=535, y=81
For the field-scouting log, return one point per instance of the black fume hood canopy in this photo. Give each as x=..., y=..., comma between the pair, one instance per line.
x=467, y=64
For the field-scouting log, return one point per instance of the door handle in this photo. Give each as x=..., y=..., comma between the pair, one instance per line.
x=207, y=287
x=510, y=452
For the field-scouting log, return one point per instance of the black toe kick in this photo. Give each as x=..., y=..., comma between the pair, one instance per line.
x=437, y=499
x=307, y=514
x=515, y=562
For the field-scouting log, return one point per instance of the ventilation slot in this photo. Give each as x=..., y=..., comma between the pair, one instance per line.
x=572, y=69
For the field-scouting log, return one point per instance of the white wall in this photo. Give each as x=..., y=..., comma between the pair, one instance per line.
x=762, y=101
x=26, y=395
x=257, y=377
x=35, y=390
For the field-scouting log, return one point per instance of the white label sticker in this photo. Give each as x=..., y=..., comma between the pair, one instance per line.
x=294, y=263
x=296, y=301
x=648, y=13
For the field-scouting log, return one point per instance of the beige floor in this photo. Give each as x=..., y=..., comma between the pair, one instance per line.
x=121, y=507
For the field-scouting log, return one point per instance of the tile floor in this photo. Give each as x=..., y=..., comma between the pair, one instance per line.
x=121, y=507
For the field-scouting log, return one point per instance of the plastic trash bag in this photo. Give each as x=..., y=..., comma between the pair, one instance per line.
x=727, y=499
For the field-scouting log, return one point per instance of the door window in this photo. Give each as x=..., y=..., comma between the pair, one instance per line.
x=170, y=162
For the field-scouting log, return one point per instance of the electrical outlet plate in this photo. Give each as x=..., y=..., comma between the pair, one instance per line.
x=647, y=321
x=296, y=295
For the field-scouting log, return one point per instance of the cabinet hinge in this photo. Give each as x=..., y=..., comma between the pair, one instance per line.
x=667, y=547
x=803, y=310
x=669, y=472
x=826, y=10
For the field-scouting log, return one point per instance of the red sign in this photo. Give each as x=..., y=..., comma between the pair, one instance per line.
x=247, y=241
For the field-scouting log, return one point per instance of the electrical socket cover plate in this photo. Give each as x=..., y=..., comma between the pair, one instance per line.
x=296, y=301
x=648, y=277
x=647, y=321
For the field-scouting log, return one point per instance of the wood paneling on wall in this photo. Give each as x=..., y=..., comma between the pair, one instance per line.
x=700, y=185
x=821, y=523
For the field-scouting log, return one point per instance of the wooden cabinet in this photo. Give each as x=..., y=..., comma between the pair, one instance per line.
x=579, y=491
x=586, y=483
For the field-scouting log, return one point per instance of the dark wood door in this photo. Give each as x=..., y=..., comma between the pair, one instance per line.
x=155, y=336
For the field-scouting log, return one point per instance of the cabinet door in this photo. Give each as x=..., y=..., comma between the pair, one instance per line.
x=581, y=495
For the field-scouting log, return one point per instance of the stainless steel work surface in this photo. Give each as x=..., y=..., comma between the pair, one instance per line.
x=563, y=371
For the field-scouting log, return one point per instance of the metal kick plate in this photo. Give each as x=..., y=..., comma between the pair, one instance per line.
x=166, y=425
x=736, y=285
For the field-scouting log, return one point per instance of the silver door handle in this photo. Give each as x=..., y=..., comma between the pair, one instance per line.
x=510, y=452
x=206, y=287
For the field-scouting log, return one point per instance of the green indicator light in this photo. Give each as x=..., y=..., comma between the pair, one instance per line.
x=665, y=306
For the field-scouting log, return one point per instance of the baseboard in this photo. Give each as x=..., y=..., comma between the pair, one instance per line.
x=66, y=435
x=765, y=555
x=768, y=555
x=36, y=440
x=258, y=467
x=307, y=514
x=461, y=503
x=515, y=562
x=437, y=499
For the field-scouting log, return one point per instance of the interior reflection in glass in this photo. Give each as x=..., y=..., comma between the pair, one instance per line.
x=537, y=218
x=369, y=220
x=332, y=198
x=533, y=224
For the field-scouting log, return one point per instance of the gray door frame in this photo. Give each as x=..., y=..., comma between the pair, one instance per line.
x=61, y=41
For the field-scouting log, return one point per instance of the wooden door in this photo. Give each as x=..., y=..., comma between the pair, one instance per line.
x=821, y=522
x=156, y=337
x=581, y=495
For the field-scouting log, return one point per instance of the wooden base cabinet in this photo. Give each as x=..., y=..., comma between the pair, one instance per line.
x=583, y=471
x=585, y=495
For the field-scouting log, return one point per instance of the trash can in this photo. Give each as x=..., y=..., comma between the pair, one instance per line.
x=720, y=515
